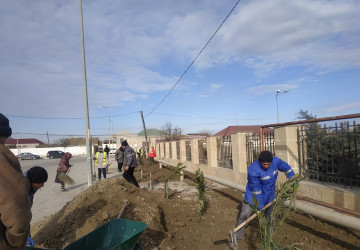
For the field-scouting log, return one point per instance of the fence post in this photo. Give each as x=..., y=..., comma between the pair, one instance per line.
x=211, y=151
x=182, y=151
x=195, y=151
x=173, y=150
x=286, y=145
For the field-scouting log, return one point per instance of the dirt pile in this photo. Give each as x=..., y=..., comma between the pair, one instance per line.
x=174, y=223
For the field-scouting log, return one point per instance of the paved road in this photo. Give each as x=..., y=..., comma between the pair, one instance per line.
x=50, y=198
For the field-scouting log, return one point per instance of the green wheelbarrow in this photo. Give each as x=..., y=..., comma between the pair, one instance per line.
x=116, y=234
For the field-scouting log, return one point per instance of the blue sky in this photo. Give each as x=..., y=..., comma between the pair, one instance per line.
x=137, y=50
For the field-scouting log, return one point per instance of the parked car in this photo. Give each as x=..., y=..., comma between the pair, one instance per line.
x=27, y=156
x=55, y=154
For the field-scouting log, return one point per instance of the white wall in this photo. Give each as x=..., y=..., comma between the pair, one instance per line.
x=76, y=150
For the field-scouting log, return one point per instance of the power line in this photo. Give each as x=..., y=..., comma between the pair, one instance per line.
x=67, y=118
x=194, y=59
x=21, y=133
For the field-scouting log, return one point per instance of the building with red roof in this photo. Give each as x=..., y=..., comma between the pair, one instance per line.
x=254, y=129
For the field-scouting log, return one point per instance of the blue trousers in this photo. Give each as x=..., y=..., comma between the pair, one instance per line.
x=103, y=170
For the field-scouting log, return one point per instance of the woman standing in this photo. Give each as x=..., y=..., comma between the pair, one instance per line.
x=64, y=167
x=152, y=154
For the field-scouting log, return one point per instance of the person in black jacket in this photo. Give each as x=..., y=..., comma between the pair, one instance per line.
x=107, y=150
x=129, y=163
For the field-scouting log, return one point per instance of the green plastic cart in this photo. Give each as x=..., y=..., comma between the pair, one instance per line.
x=115, y=234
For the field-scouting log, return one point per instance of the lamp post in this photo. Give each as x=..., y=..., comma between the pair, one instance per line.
x=278, y=92
x=104, y=107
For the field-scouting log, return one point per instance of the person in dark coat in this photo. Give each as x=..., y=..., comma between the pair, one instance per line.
x=15, y=208
x=119, y=157
x=37, y=177
x=129, y=163
x=107, y=150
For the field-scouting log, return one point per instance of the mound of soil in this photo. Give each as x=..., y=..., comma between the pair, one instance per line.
x=174, y=223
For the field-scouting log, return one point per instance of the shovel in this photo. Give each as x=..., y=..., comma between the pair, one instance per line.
x=233, y=232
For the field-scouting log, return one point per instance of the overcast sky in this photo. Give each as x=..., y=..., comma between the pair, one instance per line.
x=136, y=52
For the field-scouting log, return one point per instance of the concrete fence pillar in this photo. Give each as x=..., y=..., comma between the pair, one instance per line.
x=167, y=150
x=195, y=151
x=211, y=151
x=286, y=146
x=173, y=150
x=238, y=142
x=182, y=151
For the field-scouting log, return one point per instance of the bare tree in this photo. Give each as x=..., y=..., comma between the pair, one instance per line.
x=206, y=132
x=171, y=133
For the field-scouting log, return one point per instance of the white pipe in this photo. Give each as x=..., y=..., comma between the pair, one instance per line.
x=321, y=212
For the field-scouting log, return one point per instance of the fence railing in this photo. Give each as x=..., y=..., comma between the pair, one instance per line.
x=224, y=152
x=253, y=145
x=202, y=151
x=330, y=154
x=188, y=150
x=178, y=150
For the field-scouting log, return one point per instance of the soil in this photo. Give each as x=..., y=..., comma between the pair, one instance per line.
x=174, y=223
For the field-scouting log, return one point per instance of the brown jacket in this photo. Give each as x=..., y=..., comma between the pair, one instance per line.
x=15, y=210
x=119, y=156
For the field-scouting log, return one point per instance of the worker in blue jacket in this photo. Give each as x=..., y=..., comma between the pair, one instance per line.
x=262, y=176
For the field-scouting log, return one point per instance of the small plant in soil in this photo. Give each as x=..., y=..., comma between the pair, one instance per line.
x=286, y=191
x=175, y=172
x=201, y=190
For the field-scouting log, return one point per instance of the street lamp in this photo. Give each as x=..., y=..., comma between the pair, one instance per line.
x=278, y=92
x=104, y=107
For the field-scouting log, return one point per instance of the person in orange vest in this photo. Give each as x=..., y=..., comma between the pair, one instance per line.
x=101, y=162
x=152, y=154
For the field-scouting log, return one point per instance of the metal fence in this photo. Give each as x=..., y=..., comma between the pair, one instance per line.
x=202, y=151
x=170, y=151
x=253, y=145
x=224, y=152
x=178, y=150
x=188, y=150
x=330, y=154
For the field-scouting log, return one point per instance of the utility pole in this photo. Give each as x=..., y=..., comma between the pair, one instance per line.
x=147, y=145
x=47, y=134
x=86, y=104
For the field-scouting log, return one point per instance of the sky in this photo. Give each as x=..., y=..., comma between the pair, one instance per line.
x=199, y=65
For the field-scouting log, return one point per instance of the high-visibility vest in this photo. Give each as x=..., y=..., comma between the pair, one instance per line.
x=97, y=157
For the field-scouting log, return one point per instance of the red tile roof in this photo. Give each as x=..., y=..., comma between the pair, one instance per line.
x=255, y=129
x=22, y=141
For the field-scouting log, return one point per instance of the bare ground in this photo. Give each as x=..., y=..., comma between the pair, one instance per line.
x=174, y=223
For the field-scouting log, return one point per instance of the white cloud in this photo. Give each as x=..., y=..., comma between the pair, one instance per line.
x=343, y=108
x=271, y=88
x=268, y=35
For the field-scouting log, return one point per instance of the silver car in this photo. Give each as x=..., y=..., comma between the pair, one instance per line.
x=28, y=156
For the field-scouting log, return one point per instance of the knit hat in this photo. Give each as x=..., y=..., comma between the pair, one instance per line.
x=265, y=156
x=37, y=175
x=5, y=129
x=124, y=143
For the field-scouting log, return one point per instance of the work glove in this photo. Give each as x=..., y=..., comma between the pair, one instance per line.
x=29, y=242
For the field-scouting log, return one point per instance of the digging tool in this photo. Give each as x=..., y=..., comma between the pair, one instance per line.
x=122, y=210
x=233, y=232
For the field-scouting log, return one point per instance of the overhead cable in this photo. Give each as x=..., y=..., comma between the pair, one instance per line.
x=194, y=59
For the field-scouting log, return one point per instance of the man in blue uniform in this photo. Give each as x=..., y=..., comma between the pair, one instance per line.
x=262, y=176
